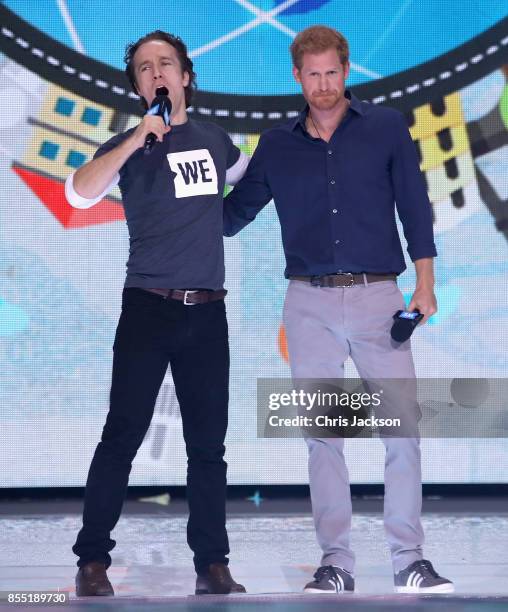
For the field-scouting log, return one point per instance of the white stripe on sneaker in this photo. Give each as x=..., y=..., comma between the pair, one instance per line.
x=341, y=582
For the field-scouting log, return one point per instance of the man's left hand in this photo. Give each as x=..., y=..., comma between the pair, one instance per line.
x=425, y=300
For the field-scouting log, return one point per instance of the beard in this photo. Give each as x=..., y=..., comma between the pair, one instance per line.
x=325, y=101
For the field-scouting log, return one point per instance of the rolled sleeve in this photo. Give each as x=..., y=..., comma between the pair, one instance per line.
x=78, y=201
x=412, y=202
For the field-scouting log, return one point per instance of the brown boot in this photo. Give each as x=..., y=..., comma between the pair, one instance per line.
x=92, y=579
x=217, y=580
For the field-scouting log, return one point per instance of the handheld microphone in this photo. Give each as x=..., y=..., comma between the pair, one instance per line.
x=405, y=323
x=161, y=106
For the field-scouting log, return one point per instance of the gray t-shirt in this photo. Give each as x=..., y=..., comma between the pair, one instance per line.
x=173, y=205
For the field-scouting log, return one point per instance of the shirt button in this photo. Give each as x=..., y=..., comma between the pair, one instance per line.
x=330, y=152
x=332, y=182
x=334, y=211
x=337, y=241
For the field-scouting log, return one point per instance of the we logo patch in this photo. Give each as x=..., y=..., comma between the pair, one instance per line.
x=195, y=173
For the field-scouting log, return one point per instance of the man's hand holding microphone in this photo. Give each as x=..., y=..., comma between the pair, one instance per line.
x=94, y=177
x=156, y=122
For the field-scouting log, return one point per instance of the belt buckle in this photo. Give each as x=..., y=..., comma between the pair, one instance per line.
x=351, y=278
x=187, y=291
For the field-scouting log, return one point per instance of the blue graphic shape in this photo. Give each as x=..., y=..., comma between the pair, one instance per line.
x=304, y=6
x=75, y=159
x=64, y=106
x=448, y=298
x=13, y=320
x=256, y=499
x=49, y=150
x=92, y=116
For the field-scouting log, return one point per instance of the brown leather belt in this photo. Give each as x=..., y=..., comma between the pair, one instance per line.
x=344, y=279
x=191, y=297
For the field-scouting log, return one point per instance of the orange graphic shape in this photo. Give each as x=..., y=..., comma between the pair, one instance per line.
x=51, y=192
x=283, y=345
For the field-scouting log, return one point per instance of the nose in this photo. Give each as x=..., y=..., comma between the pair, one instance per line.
x=156, y=76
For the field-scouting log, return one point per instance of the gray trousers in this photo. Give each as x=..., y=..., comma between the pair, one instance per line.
x=325, y=326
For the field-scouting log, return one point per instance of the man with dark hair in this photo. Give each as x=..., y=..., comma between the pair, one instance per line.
x=336, y=173
x=173, y=311
x=186, y=64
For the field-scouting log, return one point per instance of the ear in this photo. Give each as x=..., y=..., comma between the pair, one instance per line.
x=346, y=70
x=296, y=74
x=186, y=78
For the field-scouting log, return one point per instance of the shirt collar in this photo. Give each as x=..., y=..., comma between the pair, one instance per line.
x=355, y=105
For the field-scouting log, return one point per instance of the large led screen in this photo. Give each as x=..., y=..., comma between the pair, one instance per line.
x=62, y=93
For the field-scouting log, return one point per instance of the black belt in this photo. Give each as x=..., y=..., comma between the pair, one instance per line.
x=190, y=297
x=344, y=279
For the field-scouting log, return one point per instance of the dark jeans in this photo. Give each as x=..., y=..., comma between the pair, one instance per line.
x=151, y=333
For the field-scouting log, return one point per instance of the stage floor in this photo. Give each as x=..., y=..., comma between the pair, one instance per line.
x=272, y=553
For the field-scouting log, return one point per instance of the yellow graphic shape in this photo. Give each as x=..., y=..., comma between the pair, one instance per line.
x=432, y=153
x=49, y=127
x=54, y=167
x=73, y=123
x=427, y=124
x=252, y=143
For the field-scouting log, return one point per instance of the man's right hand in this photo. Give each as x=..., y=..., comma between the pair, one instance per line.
x=150, y=124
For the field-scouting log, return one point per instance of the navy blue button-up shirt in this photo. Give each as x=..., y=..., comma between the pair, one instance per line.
x=336, y=201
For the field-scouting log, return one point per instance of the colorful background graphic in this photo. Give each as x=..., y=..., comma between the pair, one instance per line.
x=62, y=93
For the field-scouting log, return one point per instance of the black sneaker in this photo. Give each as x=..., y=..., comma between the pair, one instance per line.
x=331, y=579
x=421, y=577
